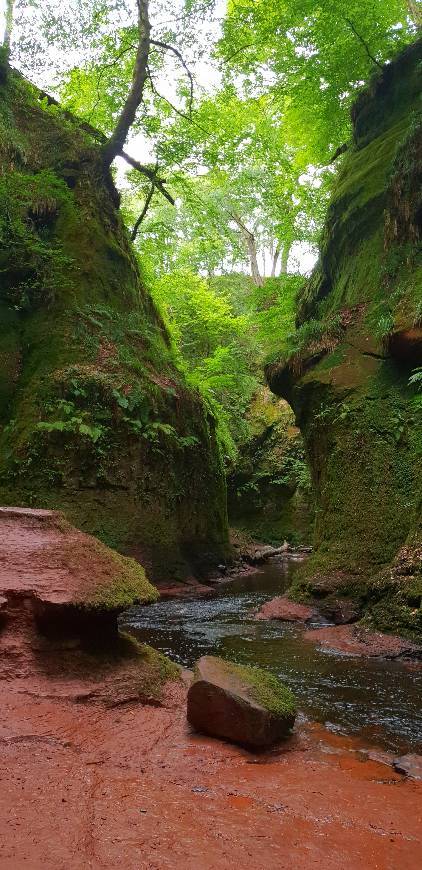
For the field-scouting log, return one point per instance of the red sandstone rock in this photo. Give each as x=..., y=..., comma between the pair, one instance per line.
x=283, y=609
x=410, y=764
x=223, y=701
x=61, y=571
x=358, y=641
x=91, y=778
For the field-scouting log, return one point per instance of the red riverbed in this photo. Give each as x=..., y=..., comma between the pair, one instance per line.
x=84, y=785
x=92, y=779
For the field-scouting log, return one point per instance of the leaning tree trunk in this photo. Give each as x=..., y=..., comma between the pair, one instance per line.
x=114, y=145
x=95, y=418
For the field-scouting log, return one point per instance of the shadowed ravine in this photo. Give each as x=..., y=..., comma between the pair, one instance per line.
x=378, y=700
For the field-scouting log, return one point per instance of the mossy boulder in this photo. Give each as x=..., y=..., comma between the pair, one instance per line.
x=95, y=417
x=346, y=370
x=241, y=704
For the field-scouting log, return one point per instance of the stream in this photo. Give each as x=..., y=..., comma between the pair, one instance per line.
x=378, y=700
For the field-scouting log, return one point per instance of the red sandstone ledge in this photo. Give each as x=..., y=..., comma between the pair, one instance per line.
x=284, y=609
x=357, y=641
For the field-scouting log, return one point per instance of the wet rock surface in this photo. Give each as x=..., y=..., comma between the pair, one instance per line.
x=410, y=765
x=284, y=609
x=358, y=641
x=97, y=771
x=243, y=705
x=64, y=574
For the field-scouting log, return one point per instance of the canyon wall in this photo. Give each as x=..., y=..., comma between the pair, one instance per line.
x=95, y=418
x=347, y=372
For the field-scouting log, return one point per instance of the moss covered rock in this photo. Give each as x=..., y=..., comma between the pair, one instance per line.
x=242, y=704
x=346, y=370
x=269, y=493
x=95, y=418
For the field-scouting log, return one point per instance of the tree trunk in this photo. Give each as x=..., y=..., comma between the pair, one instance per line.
x=276, y=256
x=127, y=116
x=8, y=27
x=250, y=243
x=284, y=259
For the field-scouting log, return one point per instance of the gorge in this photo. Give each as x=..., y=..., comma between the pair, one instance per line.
x=195, y=461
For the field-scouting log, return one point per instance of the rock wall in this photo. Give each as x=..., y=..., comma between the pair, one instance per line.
x=95, y=418
x=346, y=371
x=268, y=490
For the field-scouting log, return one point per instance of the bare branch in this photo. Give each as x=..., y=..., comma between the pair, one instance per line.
x=239, y=50
x=340, y=150
x=175, y=51
x=362, y=41
x=150, y=194
x=172, y=106
x=127, y=116
x=150, y=174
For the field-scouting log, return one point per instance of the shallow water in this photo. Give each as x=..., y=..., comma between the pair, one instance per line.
x=379, y=700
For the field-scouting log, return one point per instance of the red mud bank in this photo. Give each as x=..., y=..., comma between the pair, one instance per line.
x=98, y=770
x=354, y=639
x=358, y=641
x=89, y=786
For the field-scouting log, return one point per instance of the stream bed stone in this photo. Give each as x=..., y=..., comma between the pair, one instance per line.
x=244, y=705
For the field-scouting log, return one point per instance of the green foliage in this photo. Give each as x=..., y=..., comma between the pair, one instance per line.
x=315, y=57
x=416, y=379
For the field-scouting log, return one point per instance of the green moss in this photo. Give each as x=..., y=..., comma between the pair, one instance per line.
x=265, y=689
x=154, y=669
x=98, y=421
x=129, y=586
x=269, y=486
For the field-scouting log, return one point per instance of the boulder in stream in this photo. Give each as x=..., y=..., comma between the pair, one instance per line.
x=241, y=704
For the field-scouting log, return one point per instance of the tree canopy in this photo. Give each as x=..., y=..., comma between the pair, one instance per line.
x=227, y=121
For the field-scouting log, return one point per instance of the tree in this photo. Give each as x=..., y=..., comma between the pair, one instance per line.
x=310, y=58
x=8, y=25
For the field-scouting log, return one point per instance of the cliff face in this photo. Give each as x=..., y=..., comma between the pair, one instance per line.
x=269, y=488
x=346, y=370
x=95, y=418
